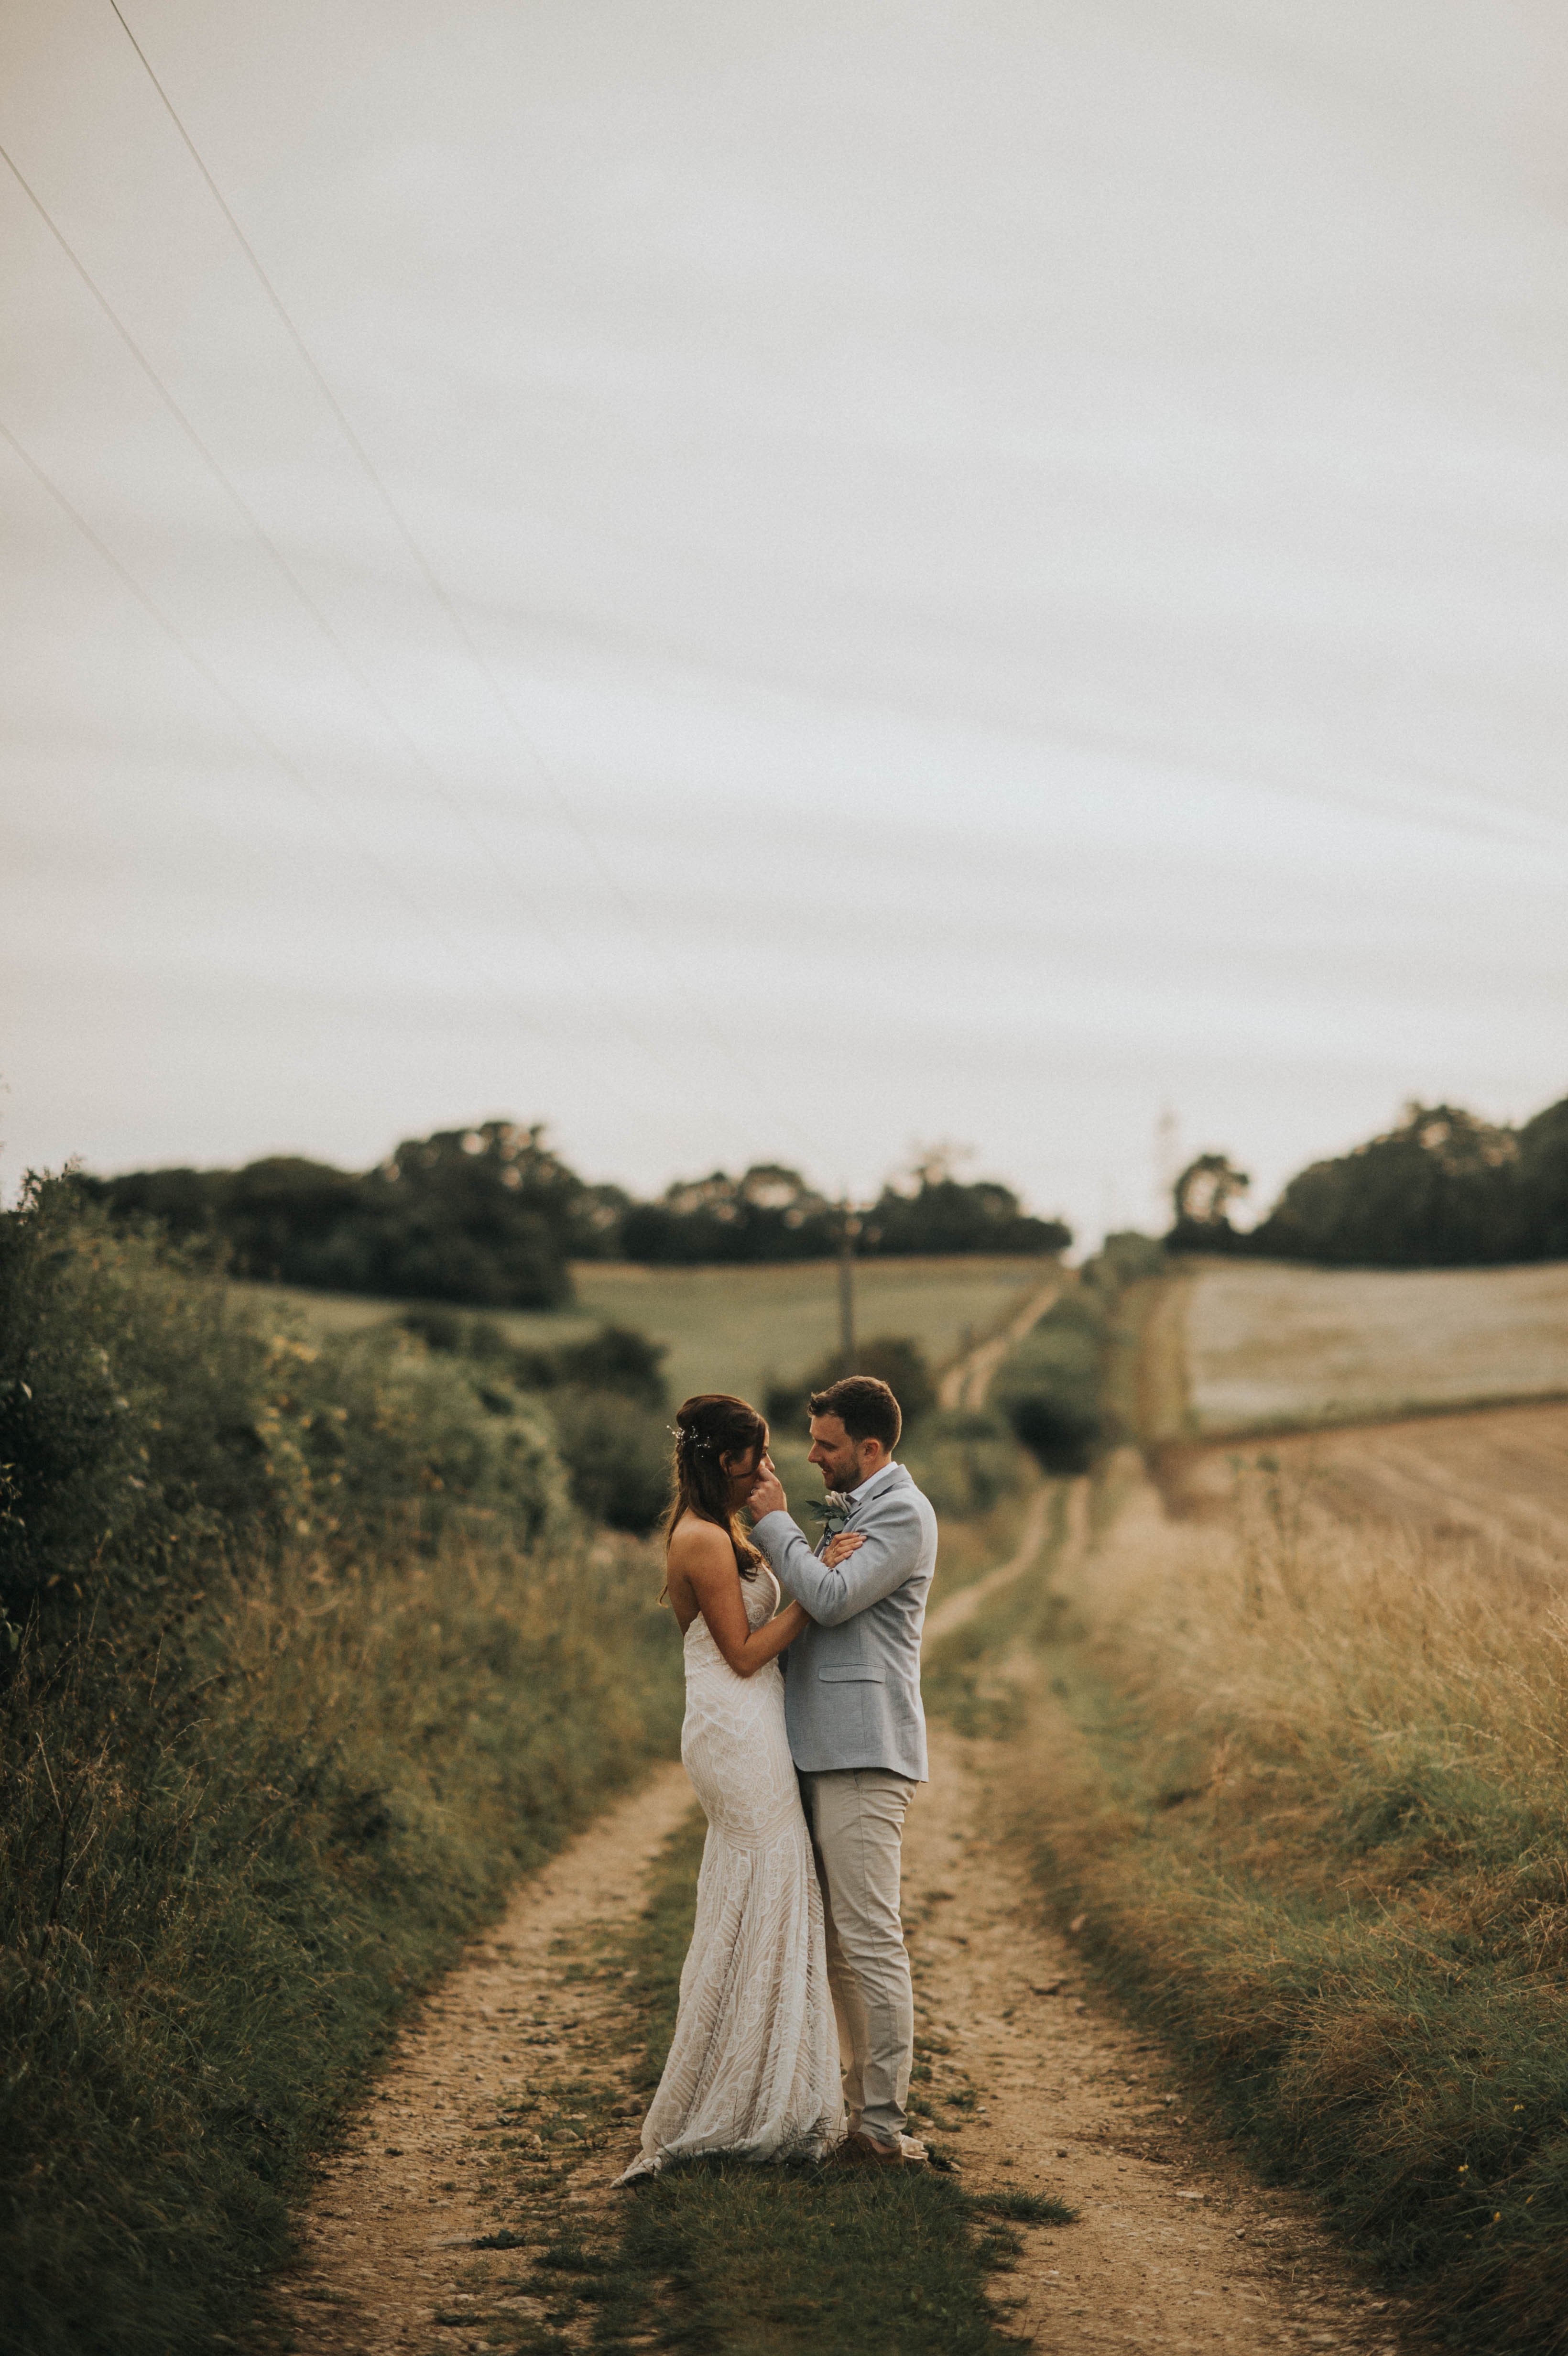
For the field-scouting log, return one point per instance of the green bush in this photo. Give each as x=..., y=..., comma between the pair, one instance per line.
x=619, y=1456
x=130, y=1412
x=1051, y=1386
x=1048, y=1387
x=148, y=1423
x=307, y=1656
x=605, y=1398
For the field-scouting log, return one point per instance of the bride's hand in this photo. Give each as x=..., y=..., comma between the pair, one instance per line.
x=842, y=1545
x=798, y=1618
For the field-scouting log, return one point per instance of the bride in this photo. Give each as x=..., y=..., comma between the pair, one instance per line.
x=753, y=2068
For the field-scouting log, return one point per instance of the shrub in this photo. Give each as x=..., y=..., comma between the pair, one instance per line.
x=149, y=1423
x=605, y=1398
x=130, y=1407
x=1051, y=1386
x=1048, y=1386
x=308, y=1656
x=375, y=1423
x=618, y=1452
x=616, y=1359
x=891, y=1357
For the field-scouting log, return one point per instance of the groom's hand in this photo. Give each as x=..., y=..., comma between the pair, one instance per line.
x=767, y=1492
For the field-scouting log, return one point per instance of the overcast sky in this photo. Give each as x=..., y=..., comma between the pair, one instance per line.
x=997, y=568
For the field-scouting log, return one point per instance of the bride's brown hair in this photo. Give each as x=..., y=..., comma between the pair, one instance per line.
x=709, y=1428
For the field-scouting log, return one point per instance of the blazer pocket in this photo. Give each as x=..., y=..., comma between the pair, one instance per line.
x=852, y=1676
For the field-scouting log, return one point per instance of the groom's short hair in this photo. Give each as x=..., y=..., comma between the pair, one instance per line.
x=866, y=1407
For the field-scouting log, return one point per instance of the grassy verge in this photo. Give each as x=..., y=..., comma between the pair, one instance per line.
x=225, y=1876
x=302, y=1657
x=803, y=2261
x=966, y=1677
x=1309, y=1791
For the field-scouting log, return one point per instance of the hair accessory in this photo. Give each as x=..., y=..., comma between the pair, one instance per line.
x=685, y=1436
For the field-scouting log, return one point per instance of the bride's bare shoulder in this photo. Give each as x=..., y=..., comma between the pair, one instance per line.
x=697, y=1546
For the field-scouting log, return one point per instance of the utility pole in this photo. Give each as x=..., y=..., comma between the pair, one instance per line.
x=848, y=1230
x=1167, y=1159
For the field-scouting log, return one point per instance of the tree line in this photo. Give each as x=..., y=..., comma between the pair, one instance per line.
x=491, y=1217
x=1442, y=1189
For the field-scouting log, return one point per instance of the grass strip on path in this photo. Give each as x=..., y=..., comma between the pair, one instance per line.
x=730, y=2260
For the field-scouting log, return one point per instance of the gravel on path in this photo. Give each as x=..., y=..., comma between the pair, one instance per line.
x=389, y=2265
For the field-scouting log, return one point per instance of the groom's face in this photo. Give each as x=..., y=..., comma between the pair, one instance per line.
x=833, y=1452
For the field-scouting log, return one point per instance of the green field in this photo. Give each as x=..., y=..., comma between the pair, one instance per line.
x=731, y=1329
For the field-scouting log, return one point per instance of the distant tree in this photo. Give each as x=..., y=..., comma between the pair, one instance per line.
x=488, y=1215
x=1443, y=1190
x=769, y=1214
x=182, y=1202
x=944, y=1214
x=299, y=1221
x=1540, y=1176
x=1202, y=1198
x=483, y=1214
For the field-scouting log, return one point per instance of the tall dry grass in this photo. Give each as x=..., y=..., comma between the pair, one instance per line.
x=1316, y=1810
x=229, y=1854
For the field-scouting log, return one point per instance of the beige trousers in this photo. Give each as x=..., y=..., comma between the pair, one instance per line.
x=856, y=1815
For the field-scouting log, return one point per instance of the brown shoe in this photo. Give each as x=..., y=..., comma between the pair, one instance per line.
x=861, y=2150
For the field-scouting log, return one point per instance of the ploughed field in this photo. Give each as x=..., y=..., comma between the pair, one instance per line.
x=732, y=1328
x=1263, y=1346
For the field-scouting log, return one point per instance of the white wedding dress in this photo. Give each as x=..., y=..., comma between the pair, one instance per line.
x=753, y=2068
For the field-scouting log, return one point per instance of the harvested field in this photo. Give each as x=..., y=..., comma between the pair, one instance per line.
x=1499, y=1476
x=1269, y=1347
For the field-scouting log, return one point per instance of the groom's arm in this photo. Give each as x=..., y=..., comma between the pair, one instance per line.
x=894, y=1543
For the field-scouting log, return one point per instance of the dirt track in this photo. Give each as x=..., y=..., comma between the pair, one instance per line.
x=1175, y=2247
x=967, y=1383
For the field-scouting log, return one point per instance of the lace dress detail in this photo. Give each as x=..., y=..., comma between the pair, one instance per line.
x=753, y=2068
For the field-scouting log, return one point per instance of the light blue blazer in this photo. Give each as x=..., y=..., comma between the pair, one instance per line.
x=852, y=1680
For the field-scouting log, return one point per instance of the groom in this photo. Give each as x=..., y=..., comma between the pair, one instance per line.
x=857, y=1728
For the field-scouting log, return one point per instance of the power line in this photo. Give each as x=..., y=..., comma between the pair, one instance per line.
x=256, y=528
x=226, y=695
x=405, y=533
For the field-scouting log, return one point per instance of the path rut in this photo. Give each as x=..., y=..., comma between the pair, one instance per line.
x=1028, y=2080
x=1039, y=2085
x=389, y=2264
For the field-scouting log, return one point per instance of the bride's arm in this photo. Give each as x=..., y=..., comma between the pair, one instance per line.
x=704, y=1554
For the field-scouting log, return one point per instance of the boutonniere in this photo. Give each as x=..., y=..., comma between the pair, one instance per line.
x=833, y=1511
